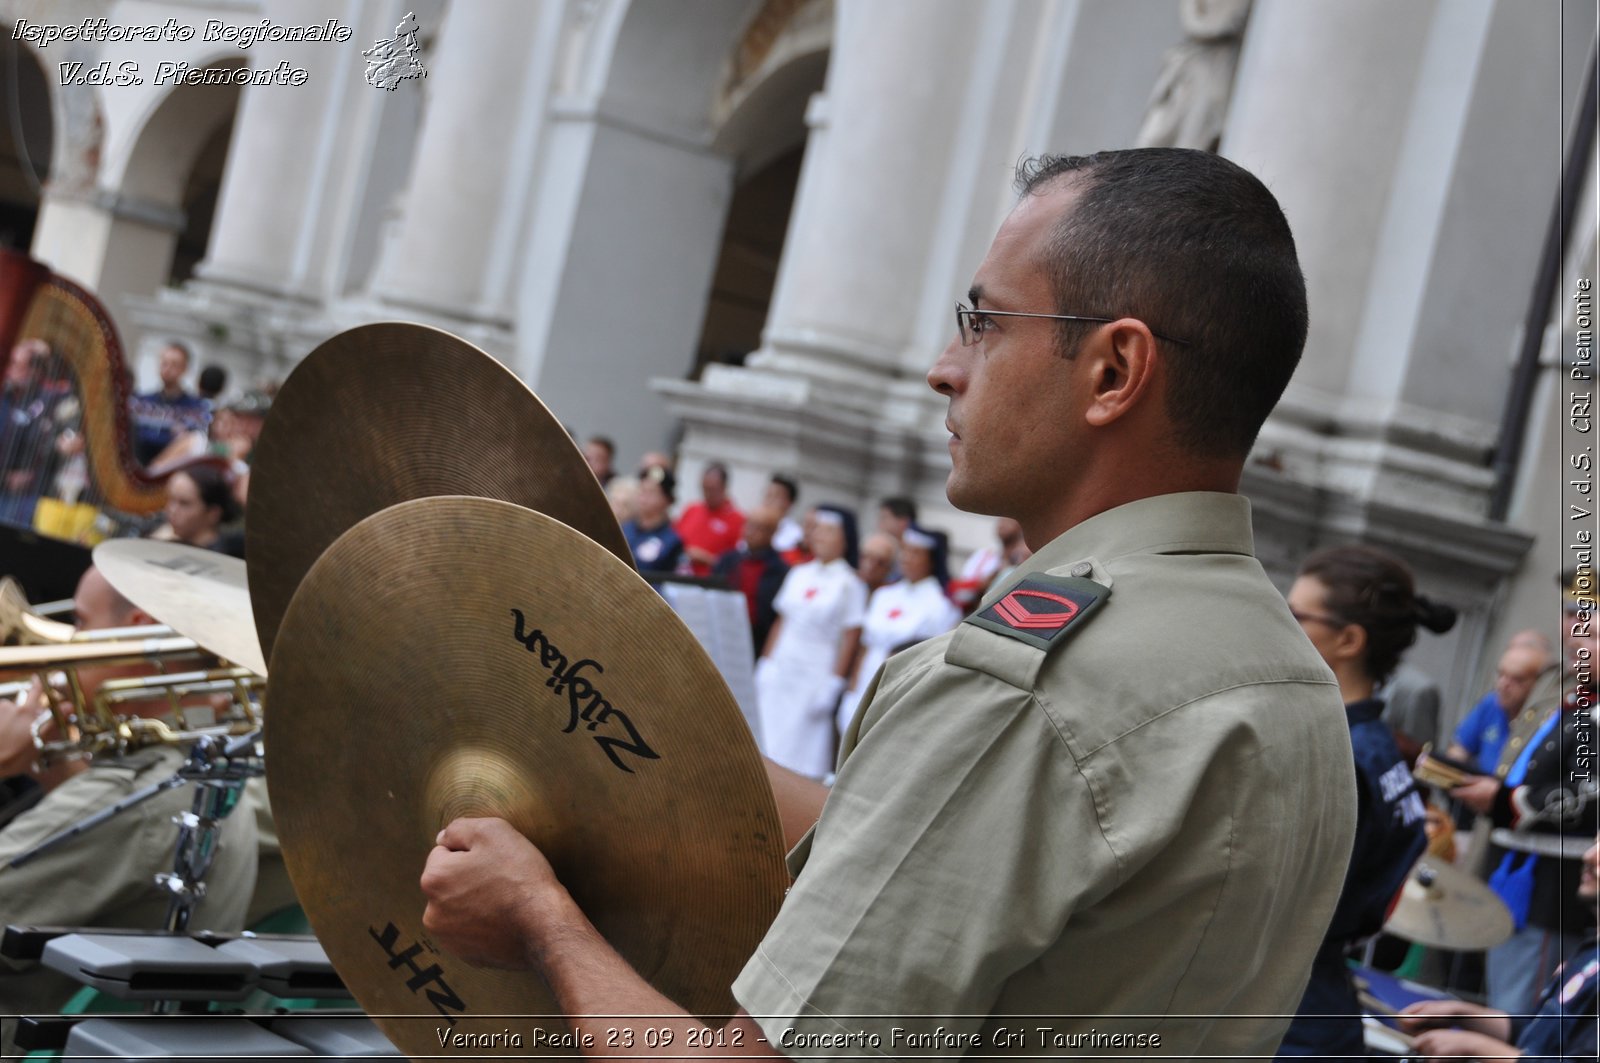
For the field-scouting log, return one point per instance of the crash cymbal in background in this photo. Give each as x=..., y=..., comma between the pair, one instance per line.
x=1444, y=907
x=468, y=657
x=200, y=594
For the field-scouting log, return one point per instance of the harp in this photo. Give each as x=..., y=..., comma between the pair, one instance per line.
x=66, y=460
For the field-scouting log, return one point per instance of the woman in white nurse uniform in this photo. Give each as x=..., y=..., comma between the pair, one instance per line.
x=801, y=674
x=903, y=613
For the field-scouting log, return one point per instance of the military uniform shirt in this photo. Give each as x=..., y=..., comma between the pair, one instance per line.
x=1149, y=820
x=106, y=876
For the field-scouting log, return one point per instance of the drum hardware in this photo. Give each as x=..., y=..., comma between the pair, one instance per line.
x=1442, y=906
x=219, y=766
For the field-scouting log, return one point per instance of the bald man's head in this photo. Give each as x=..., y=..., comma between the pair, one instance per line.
x=97, y=604
x=1518, y=671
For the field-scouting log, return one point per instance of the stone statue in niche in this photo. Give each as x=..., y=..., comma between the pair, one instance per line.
x=1190, y=100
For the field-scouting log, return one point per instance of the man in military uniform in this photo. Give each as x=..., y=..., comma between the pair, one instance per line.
x=107, y=876
x=1117, y=802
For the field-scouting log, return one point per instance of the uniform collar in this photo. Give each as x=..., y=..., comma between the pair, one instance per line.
x=1209, y=522
x=1364, y=711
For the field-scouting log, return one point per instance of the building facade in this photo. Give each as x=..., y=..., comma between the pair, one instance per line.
x=735, y=228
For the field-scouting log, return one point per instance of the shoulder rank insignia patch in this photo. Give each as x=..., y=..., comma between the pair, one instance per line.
x=1041, y=609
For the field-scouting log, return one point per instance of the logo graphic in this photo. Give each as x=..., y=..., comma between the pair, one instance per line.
x=1043, y=616
x=395, y=60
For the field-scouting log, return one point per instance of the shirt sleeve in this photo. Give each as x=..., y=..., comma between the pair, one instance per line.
x=957, y=840
x=71, y=885
x=784, y=599
x=1469, y=733
x=855, y=607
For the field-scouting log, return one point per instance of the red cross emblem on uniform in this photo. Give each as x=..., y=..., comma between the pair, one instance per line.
x=896, y=614
x=811, y=592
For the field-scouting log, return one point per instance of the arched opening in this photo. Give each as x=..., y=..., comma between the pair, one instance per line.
x=781, y=63
x=26, y=140
x=199, y=204
x=691, y=158
x=747, y=264
x=168, y=192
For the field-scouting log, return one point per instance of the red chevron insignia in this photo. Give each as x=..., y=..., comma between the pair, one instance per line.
x=1024, y=618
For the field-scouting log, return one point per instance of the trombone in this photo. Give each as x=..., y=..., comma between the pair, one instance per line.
x=22, y=623
x=85, y=727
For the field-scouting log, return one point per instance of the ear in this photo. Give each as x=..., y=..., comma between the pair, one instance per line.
x=137, y=617
x=1123, y=362
x=1351, y=643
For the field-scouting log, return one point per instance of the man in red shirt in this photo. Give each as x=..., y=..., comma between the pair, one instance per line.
x=712, y=527
x=756, y=569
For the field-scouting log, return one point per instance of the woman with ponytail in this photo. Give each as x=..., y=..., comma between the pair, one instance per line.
x=1360, y=609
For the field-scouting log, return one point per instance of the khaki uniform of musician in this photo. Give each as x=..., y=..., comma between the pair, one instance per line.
x=1151, y=817
x=106, y=877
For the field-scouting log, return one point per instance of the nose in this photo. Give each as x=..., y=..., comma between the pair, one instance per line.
x=948, y=375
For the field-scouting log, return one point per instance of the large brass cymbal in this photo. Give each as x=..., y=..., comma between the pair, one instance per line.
x=389, y=412
x=198, y=593
x=464, y=656
x=1444, y=907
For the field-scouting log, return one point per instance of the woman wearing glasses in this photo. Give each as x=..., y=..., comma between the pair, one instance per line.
x=1359, y=607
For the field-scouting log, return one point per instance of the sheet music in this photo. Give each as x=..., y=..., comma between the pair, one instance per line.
x=720, y=620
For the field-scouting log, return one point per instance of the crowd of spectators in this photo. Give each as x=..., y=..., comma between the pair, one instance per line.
x=827, y=604
x=199, y=443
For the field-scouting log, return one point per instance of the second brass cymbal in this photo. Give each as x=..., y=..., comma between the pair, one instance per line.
x=389, y=412
x=468, y=657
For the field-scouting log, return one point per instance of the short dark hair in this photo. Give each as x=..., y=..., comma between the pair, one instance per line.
x=662, y=477
x=1374, y=589
x=790, y=488
x=605, y=443
x=183, y=349
x=718, y=468
x=1197, y=248
x=900, y=506
x=211, y=381
x=214, y=490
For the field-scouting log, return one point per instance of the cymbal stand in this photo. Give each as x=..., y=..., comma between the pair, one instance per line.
x=219, y=770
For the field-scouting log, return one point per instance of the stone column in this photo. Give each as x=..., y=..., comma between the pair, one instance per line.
x=457, y=242
x=1412, y=150
x=281, y=219
x=1402, y=141
x=848, y=297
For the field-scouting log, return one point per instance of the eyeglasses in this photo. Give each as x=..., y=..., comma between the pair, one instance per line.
x=972, y=325
x=1319, y=618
